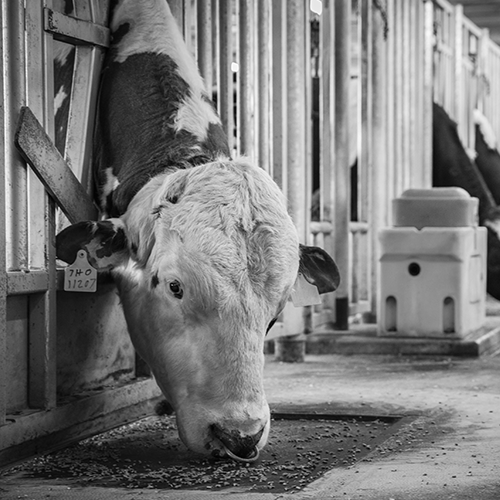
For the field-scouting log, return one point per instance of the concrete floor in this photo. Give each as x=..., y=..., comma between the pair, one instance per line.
x=448, y=449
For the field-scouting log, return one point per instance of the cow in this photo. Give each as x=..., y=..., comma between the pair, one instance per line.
x=201, y=246
x=487, y=157
x=452, y=166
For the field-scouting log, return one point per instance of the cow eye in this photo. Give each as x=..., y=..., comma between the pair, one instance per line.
x=176, y=289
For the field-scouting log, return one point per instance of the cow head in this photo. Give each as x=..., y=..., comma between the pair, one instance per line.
x=204, y=260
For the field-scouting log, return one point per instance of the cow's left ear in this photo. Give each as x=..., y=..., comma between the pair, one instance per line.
x=319, y=269
x=105, y=243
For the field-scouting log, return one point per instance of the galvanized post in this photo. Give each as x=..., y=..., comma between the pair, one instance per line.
x=263, y=75
x=278, y=111
x=342, y=172
x=225, y=98
x=204, y=26
x=246, y=79
x=296, y=113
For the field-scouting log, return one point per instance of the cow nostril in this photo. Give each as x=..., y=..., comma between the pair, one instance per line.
x=243, y=446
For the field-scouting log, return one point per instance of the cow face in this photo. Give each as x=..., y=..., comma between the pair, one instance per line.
x=204, y=260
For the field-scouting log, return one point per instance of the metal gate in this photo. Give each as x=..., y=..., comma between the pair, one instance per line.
x=67, y=367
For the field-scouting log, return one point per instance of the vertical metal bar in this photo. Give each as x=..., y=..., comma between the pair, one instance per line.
x=377, y=216
x=263, y=72
x=225, y=76
x=365, y=160
x=309, y=123
x=14, y=96
x=204, y=19
x=327, y=151
x=296, y=113
x=86, y=76
x=427, y=93
x=279, y=75
x=3, y=235
x=42, y=307
x=390, y=136
x=342, y=167
x=399, y=166
x=326, y=113
x=457, y=55
x=246, y=79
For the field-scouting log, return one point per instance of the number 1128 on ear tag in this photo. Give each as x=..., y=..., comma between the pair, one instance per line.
x=80, y=276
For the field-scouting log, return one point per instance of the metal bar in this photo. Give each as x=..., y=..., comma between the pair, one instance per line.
x=15, y=172
x=225, y=98
x=278, y=112
x=326, y=114
x=23, y=283
x=246, y=79
x=3, y=235
x=76, y=31
x=380, y=97
x=263, y=75
x=204, y=19
x=342, y=167
x=43, y=157
x=42, y=305
x=427, y=93
x=86, y=75
x=39, y=97
x=296, y=113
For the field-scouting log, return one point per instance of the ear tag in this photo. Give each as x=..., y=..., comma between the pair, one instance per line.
x=304, y=294
x=80, y=276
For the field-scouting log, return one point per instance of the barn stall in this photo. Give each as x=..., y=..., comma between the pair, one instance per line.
x=67, y=368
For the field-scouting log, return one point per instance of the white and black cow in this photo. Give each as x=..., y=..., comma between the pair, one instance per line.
x=452, y=166
x=201, y=246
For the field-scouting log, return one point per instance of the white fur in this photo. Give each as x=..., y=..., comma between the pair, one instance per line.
x=195, y=115
x=228, y=239
x=153, y=29
x=486, y=129
x=62, y=51
x=59, y=99
x=109, y=186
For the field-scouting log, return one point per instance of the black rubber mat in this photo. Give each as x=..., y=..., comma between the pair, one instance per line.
x=149, y=454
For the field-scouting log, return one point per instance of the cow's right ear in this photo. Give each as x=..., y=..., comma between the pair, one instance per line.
x=105, y=243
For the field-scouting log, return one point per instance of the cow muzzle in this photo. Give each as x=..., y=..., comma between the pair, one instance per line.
x=239, y=447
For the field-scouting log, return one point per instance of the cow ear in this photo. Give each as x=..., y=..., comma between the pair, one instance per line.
x=319, y=269
x=105, y=243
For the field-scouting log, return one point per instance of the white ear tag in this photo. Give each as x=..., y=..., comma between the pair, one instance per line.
x=80, y=276
x=304, y=294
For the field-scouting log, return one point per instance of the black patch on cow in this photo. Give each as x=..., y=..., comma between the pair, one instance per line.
x=63, y=82
x=155, y=280
x=488, y=163
x=156, y=212
x=119, y=33
x=112, y=239
x=72, y=239
x=319, y=269
x=138, y=102
x=451, y=166
x=69, y=8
